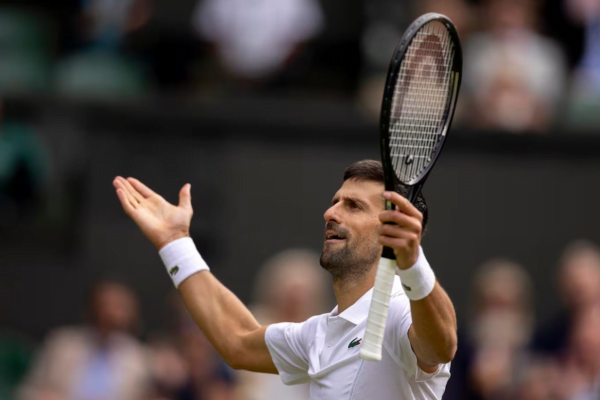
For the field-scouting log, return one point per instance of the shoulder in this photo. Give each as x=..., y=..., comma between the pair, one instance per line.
x=307, y=328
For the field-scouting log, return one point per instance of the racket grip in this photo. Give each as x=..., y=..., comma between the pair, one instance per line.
x=378, y=312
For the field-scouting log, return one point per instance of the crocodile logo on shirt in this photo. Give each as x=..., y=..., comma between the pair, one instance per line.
x=354, y=342
x=174, y=270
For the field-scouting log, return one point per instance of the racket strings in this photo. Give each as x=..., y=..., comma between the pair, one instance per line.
x=420, y=103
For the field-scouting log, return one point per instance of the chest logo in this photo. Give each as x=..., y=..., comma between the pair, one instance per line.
x=355, y=342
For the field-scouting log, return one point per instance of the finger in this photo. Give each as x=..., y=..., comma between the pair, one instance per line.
x=129, y=209
x=393, y=243
x=140, y=187
x=400, y=219
x=402, y=204
x=132, y=191
x=185, y=197
x=395, y=231
x=119, y=185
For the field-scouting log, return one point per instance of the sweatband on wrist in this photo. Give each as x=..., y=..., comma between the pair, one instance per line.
x=182, y=260
x=419, y=280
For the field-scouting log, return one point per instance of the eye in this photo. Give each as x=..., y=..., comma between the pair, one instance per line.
x=355, y=206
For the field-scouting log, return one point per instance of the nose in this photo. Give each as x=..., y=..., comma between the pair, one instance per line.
x=332, y=214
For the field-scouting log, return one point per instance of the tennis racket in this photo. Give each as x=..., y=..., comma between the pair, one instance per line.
x=418, y=105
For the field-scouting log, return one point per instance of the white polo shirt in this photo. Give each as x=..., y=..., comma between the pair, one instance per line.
x=324, y=351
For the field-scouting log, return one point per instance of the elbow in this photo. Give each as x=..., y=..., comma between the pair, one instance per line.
x=235, y=364
x=447, y=355
x=234, y=359
x=447, y=352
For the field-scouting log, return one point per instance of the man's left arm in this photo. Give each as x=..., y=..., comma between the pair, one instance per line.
x=433, y=331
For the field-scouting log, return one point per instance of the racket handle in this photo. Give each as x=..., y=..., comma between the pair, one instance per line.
x=378, y=312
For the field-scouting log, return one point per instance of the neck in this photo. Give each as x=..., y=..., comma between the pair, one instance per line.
x=348, y=291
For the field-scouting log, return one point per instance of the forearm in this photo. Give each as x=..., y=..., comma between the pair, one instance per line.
x=223, y=318
x=433, y=331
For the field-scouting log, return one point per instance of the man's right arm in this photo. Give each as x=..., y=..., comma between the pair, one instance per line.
x=227, y=323
x=223, y=318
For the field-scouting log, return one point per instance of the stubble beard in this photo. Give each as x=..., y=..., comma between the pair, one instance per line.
x=346, y=263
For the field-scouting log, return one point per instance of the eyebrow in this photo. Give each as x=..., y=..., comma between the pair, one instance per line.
x=350, y=198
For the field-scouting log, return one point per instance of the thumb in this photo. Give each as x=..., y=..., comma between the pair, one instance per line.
x=185, y=197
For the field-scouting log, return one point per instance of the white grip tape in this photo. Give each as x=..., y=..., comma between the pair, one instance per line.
x=378, y=313
x=182, y=260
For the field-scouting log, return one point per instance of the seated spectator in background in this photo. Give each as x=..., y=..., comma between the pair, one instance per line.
x=580, y=365
x=105, y=23
x=579, y=284
x=291, y=286
x=384, y=27
x=587, y=13
x=100, y=361
x=186, y=366
x=23, y=171
x=539, y=379
x=102, y=68
x=492, y=349
x=514, y=78
x=255, y=40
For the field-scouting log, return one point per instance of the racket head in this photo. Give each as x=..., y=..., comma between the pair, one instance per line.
x=419, y=99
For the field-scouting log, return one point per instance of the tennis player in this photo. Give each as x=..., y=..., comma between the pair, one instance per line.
x=420, y=336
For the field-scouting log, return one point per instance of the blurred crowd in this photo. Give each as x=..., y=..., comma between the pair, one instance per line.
x=504, y=352
x=529, y=64
x=111, y=356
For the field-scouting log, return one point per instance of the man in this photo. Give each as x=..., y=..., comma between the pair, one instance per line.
x=420, y=338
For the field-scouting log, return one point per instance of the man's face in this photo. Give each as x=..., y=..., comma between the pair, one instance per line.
x=351, y=232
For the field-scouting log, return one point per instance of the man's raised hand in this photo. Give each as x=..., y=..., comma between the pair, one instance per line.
x=159, y=220
x=403, y=235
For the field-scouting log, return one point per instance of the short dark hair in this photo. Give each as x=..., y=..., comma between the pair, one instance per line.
x=372, y=170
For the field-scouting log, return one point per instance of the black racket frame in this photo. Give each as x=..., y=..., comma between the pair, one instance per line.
x=390, y=176
x=388, y=97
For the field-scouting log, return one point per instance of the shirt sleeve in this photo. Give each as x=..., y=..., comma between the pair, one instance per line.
x=397, y=343
x=288, y=345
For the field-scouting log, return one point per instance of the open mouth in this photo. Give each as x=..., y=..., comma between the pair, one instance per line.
x=332, y=237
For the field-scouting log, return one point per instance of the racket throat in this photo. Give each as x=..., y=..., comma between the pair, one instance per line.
x=413, y=193
x=388, y=253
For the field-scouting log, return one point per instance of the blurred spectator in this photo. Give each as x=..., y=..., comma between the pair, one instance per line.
x=384, y=28
x=187, y=367
x=580, y=372
x=26, y=51
x=491, y=351
x=101, y=68
x=97, y=362
x=585, y=93
x=23, y=171
x=514, y=77
x=587, y=12
x=290, y=287
x=256, y=40
x=105, y=23
x=579, y=284
x=538, y=380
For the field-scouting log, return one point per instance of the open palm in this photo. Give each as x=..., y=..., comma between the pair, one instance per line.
x=159, y=220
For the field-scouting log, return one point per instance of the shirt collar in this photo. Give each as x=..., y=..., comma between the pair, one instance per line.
x=359, y=311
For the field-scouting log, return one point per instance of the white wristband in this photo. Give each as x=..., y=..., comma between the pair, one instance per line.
x=182, y=260
x=418, y=281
